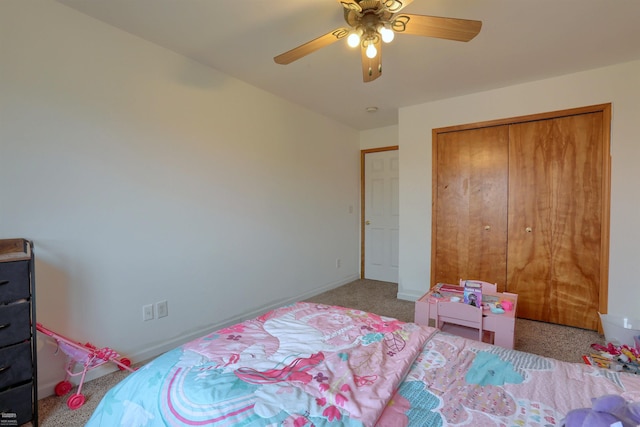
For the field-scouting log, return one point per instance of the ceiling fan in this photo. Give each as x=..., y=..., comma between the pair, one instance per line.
x=372, y=22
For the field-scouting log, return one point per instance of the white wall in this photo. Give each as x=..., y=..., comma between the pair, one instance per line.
x=381, y=137
x=143, y=176
x=619, y=84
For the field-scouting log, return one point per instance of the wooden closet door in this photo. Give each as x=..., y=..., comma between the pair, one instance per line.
x=470, y=212
x=555, y=218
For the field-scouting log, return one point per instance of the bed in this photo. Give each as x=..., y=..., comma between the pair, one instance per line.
x=308, y=364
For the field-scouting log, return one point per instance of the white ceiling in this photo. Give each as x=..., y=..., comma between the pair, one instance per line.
x=520, y=40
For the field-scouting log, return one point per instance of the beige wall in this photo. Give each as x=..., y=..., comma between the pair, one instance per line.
x=381, y=137
x=143, y=176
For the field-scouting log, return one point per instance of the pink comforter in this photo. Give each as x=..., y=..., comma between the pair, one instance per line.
x=315, y=365
x=313, y=360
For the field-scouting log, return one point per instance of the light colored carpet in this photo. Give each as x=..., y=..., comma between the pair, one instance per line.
x=559, y=342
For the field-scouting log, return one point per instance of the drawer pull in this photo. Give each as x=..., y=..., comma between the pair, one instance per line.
x=3, y=282
x=4, y=368
x=6, y=325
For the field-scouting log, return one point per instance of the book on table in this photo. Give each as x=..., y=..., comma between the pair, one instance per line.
x=472, y=294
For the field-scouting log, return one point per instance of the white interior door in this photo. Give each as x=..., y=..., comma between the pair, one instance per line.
x=381, y=215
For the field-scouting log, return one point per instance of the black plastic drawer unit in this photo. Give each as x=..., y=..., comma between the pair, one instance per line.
x=18, y=377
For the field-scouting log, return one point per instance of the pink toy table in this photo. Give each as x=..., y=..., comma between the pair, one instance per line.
x=502, y=325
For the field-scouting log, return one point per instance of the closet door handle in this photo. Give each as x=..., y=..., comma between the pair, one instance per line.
x=3, y=282
x=487, y=227
x=528, y=229
x=5, y=326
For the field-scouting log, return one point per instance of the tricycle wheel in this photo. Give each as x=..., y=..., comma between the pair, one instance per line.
x=75, y=401
x=62, y=388
x=126, y=362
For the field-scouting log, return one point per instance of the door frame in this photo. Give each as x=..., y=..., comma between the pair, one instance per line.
x=605, y=109
x=363, y=153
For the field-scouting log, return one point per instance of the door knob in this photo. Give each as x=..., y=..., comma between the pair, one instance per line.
x=528, y=229
x=367, y=222
x=487, y=227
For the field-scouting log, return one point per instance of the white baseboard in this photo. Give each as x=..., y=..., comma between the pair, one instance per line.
x=409, y=296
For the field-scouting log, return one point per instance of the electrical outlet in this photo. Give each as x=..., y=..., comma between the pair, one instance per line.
x=162, y=309
x=147, y=312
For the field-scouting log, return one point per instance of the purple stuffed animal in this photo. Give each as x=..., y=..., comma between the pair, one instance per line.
x=605, y=411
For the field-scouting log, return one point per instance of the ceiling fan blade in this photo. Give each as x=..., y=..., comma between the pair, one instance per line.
x=351, y=5
x=434, y=26
x=372, y=68
x=310, y=47
x=394, y=6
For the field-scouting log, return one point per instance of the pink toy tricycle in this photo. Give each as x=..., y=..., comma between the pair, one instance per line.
x=89, y=355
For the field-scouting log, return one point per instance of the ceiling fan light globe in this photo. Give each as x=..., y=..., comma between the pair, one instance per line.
x=371, y=51
x=353, y=39
x=387, y=34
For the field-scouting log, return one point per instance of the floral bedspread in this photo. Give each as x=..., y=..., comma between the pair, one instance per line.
x=455, y=382
x=316, y=365
x=300, y=365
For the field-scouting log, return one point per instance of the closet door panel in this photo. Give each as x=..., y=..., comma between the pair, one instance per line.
x=471, y=171
x=555, y=218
